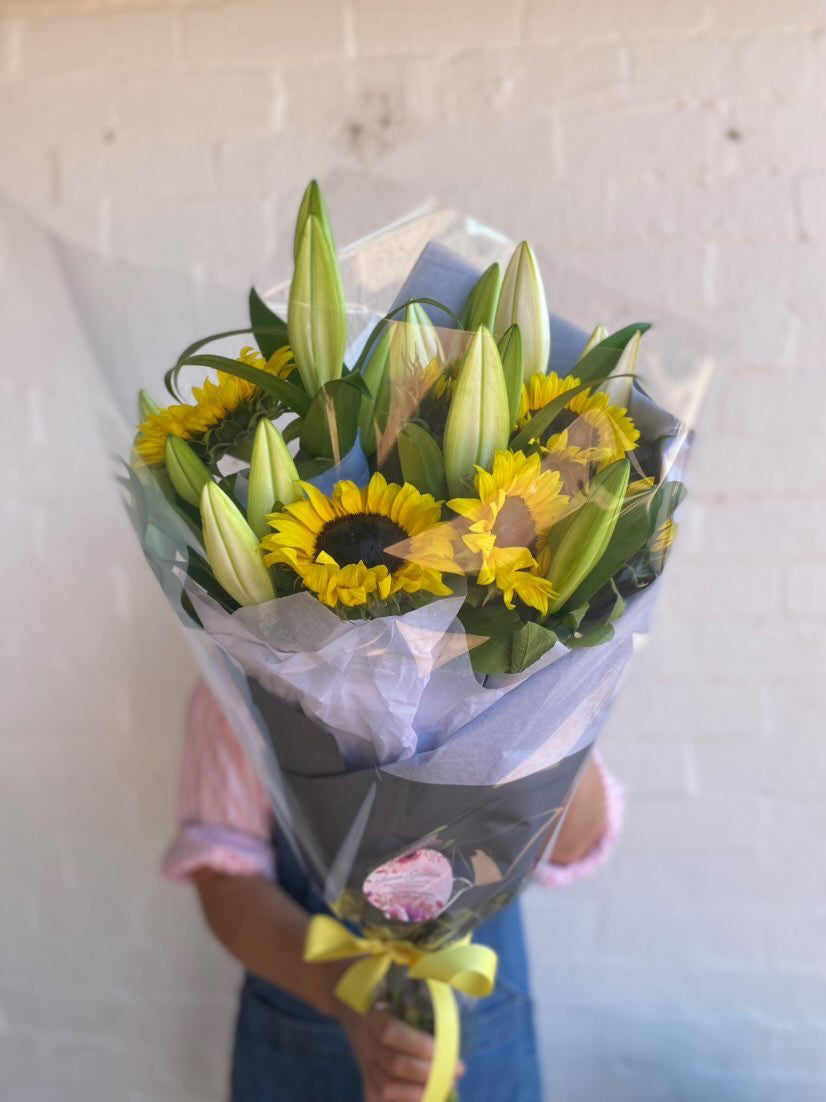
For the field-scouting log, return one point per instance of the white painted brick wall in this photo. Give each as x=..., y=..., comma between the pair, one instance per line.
x=674, y=146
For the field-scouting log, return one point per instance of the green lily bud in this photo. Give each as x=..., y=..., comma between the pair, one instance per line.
x=421, y=461
x=187, y=473
x=147, y=405
x=414, y=343
x=374, y=409
x=272, y=476
x=582, y=537
x=513, y=358
x=316, y=318
x=478, y=421
x=312, y=202
x=522, y=301
x=232, y=549
x=597, y=337
x=480, y=308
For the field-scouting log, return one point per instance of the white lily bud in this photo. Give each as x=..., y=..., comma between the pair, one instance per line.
x=312, y=202
x=522, y=302
x=273, y=476
x=414, y=344
x=618, y=385
x=478, y=421
x=232, y=549
x=597, y=337
x=187, y=473
x=316, y=317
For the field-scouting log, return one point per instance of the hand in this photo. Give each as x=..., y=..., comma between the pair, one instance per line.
x=394, y=1058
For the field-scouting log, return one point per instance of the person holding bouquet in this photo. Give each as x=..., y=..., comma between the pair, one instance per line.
x=294, y=1040
x=417, y=560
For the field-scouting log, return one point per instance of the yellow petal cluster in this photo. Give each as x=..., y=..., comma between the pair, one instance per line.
x=517, y=504
x=419, y=551
x=604, y=430
x=213, y=401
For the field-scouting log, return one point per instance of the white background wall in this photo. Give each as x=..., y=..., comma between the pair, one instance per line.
x=673, y=146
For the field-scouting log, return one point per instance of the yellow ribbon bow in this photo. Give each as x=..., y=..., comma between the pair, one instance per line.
x=468, y=968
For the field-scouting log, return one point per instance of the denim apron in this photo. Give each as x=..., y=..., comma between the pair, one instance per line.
x=285, y=1051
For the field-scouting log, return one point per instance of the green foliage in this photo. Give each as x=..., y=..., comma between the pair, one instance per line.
x=639, y=519
x=530, y=642
x=330, y=427
x=288, y=394
x=496, y=625
x=422, y=461
x=269, y=329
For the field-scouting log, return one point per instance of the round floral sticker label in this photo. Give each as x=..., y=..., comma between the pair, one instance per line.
x=412, y=888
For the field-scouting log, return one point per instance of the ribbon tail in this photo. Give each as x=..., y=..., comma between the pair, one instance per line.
x=358, y=983
x=446, y=1042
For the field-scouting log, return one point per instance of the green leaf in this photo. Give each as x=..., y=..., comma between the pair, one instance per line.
x=593, y=636
x=309, y=469
x=292, y=431
x=640, y=518
x=568, y=622
x=199, y=570
x=270, y=330
x=530, y=642
x=422, y=462
x=171, y=377
x=287, y=393
x=597, y=365
x=510, y=349
x=496, y=626
x=330, y=426
x=354, y=379
x=618, y=607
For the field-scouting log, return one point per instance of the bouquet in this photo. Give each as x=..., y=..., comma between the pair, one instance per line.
x=414, y=550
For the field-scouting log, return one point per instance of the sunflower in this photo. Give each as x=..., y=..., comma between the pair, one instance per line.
x=593, y=423
x=516, y=506
x=376, y=541
x=214, y=403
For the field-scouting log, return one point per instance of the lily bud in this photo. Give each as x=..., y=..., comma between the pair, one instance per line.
x=480, y=308
x=312, y=202
x=618, y=385
x=597, y=337
x=414, y=343
x=522, y=301
x=513, y=357
x=187, y=473
x=273, y=476
x=147, y=405
x=478, y=421
x=232, y=549
x=316, y=318
x=586, y=532
x=374, y=409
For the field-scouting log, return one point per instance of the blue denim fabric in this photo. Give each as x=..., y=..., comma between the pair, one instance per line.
x=287, y=1052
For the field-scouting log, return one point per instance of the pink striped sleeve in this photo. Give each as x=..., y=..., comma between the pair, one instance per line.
x=559, y=876
x=224, y=817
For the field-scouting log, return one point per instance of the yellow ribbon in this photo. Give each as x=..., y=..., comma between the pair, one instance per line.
x=468, y=968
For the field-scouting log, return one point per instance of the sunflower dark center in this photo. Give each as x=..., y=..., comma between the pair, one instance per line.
x=514, y=526
x=362, y=537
